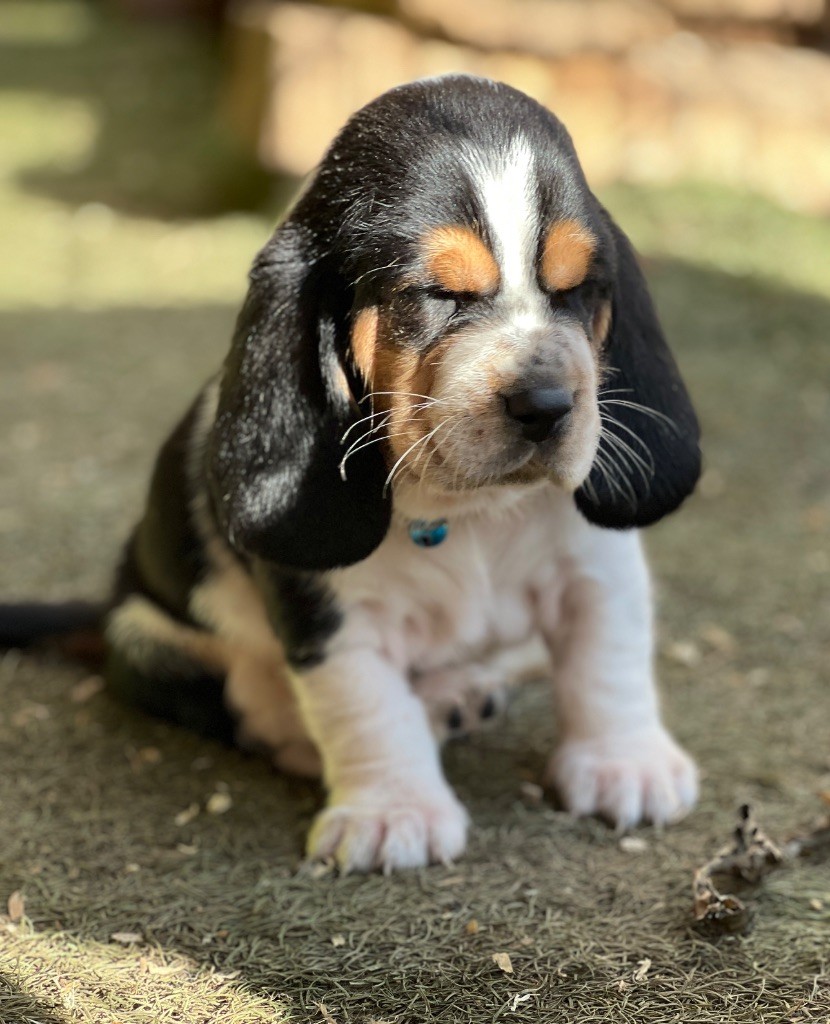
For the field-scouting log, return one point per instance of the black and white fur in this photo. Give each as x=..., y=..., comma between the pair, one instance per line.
x=271, y=592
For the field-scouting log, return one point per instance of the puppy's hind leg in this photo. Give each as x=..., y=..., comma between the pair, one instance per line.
x=167, y=668
x=461, y=699
x=206, y=683
x=260, y=694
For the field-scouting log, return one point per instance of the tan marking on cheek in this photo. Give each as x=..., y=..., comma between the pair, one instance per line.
x=408, y=376
x=566, y=255
x=423, y=375
x=458, y=261
x=364, y=341
x=395, y=373
x=601, y=323
x=391, y=367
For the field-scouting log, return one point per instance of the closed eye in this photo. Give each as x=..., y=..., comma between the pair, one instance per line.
x=450, y=304
x=583, y=297
x=440, y=305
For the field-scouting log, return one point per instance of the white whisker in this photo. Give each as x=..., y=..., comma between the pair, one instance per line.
x=630, y=457
x=644, y=409
x=607, y=465
x=455, y=423
x=359, y=447
x=406, y=394
x=590, y=490
x=420, y=440
x=383, y=412
x=608, y=418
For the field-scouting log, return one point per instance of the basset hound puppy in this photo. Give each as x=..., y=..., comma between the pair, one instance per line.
x=447, y=407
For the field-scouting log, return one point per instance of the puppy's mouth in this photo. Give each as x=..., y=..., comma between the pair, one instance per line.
x=472, y=457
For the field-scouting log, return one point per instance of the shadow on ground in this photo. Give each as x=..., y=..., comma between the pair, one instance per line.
x=159, y=147
x=107, y=829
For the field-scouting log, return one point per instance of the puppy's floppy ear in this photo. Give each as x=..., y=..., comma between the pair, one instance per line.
x=287, y=396
x=651, y=460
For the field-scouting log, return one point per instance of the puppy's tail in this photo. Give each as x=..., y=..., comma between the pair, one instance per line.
x=74, y=629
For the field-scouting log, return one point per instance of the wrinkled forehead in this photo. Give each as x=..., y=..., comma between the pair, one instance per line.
x=482, y=219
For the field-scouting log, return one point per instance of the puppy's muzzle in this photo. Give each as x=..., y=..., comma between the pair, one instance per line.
x=539, y=412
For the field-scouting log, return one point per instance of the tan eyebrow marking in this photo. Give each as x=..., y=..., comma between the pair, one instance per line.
x=458, y=261
x=364, y=337
x=566, y=255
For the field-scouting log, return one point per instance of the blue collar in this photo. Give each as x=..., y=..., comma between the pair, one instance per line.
x=428, y=533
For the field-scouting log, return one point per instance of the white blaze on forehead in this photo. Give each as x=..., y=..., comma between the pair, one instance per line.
x=508, y=196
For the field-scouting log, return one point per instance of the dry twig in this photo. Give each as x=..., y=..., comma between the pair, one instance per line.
x=750, y=855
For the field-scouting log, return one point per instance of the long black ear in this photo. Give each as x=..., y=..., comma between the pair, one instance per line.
x=287, y=396
x=649, y=454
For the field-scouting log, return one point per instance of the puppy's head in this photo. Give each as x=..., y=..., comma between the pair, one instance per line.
x=447, y=303
x=482, y=339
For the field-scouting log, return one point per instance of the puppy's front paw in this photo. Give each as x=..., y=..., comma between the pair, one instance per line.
x=365, y=830
x=642, y=776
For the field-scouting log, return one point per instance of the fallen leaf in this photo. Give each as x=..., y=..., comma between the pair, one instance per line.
x=472, y=927
x=642, y=970
x=219, y=803
x=633, y=844
x=758, y=676
x=338, y=940
x=519, y=998
x=503, y=961
x=17, y=907
x=127, y=938
x=718, y=638
x=327, y=1017
x=531, y=793
x=320, y=868
x=187, y=815
x=684, y=652
x=30, y=713
x=86, y=689
x=816, y=904
x=164, y=970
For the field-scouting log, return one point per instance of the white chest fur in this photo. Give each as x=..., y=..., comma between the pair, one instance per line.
x=481, y=588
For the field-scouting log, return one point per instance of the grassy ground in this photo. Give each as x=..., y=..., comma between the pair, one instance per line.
x=120, y=270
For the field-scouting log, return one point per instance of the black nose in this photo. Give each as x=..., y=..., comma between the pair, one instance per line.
x=539, y=410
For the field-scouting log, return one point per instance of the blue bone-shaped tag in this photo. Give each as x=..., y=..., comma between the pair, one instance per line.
x=428, y=534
